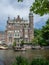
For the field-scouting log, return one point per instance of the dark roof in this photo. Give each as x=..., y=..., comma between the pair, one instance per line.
x=31, y=13
x=18, y=18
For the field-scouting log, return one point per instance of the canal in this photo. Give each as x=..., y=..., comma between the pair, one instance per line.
x=8, y=56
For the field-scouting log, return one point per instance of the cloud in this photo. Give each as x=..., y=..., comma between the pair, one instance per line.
x=12, y=8
x=40, y=21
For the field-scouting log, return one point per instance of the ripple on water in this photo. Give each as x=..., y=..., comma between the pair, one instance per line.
x=1, y=62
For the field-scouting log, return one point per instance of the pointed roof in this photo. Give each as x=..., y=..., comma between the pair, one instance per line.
x=31, y=13
x=18, y=18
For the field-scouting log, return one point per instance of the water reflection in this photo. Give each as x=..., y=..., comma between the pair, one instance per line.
x=9, y=55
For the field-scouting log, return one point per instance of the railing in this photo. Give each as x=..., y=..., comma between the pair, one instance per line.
x=16, y=36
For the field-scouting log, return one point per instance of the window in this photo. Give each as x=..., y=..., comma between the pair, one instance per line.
x=10, y=35
x=10, y=39
x=26, y=30
x=10, y=31
x=17, y=31
x=18, y=40
x=16, y=34
x=26, y=36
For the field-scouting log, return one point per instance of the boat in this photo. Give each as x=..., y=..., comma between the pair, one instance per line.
x=3, y=48
x=19, y=49
x=36, y=47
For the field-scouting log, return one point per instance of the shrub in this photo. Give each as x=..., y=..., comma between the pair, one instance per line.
x=23, y=61
x=40, y=62
x=14, y=43
x=20, y=61
x=22, y=43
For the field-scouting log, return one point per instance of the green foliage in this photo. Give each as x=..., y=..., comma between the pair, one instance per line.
x=45, y=31
x=14, y=43
x=37, y=37
x=20, y=61
x=40, y=61
x=23, y=61
x=40, y=7
x=39, y=41
x=42, y=36
x=42, y=42
x=22, y=42
x=35, y=41
x=37, y=32
x=20, y=0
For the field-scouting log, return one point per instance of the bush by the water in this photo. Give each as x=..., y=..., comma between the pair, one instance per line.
x=20, y=61
x=23, y=61
x=40, y=62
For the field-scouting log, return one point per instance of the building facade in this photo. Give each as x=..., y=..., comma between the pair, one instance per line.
x=2, y=37
x=19, y=29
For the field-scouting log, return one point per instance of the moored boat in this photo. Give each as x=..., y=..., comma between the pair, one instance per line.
x=36, y=47
x=3, y=48
x=19, y=49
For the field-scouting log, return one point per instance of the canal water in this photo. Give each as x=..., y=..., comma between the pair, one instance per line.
x=8, y=56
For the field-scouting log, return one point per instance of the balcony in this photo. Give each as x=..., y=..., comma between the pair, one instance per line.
x=16, y=36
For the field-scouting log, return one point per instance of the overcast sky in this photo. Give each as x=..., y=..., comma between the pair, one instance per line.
x=12, y=8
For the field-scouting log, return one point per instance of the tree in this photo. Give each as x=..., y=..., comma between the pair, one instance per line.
x=36, y=61
x=37, y=32
x=20, y=0
x=14, y=43
x=40, y=61
x=35, y=41
x=22, y=42
x=40, y=7
x=45, y=31
x=42, y=36
x=21, y=61
x=37, y=37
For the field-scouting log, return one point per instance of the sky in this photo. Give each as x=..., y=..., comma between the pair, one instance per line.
x=12, y=8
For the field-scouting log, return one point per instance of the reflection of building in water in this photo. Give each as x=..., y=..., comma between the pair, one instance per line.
x=19, y=29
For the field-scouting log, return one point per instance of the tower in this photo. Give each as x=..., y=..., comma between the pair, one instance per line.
x=31, y=29
x=31, y=20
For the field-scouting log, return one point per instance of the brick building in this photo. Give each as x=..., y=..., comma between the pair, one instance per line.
x=19, y=29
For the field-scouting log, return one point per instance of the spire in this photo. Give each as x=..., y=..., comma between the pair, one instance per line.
x=18, y=18
x=8, y=18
